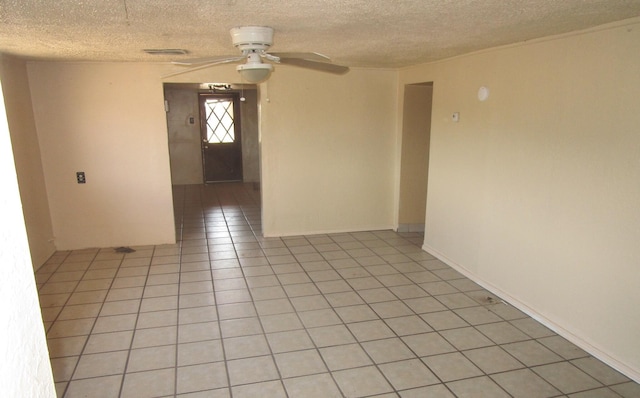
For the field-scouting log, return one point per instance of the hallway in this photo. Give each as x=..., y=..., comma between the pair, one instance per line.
x=226, y=312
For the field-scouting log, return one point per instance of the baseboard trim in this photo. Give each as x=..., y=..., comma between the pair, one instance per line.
x=586, y=345
x=327, y=232
x=410, y=228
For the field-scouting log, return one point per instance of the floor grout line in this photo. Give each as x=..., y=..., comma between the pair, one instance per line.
x=383, y=273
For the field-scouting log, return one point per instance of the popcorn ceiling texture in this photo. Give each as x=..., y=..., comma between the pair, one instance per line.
x=359, y=33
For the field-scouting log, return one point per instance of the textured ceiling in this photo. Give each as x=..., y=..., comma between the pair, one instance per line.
x=364, y=33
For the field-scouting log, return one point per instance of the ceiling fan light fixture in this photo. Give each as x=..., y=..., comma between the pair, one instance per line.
x=255, y=72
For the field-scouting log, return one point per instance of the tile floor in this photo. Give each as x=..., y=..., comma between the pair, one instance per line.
x=228, y=313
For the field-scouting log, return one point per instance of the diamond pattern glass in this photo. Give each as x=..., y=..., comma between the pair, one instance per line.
x=220, y=123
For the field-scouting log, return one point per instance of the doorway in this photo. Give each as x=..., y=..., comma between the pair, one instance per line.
x=414, y=163
x=185, y=133
x=220, y=131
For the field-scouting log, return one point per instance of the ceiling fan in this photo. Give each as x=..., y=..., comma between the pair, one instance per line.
x=253, y=42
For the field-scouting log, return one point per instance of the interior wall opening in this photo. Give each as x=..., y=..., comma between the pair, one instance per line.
x=414, y=164
x=195, y=160
x=187, y=144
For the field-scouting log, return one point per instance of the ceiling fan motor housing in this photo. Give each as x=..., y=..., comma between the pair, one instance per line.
x=252, y=38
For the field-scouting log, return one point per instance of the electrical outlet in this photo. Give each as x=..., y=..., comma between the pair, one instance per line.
x=80, y=177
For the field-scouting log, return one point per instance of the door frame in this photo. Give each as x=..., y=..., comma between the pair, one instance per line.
x=235, y=98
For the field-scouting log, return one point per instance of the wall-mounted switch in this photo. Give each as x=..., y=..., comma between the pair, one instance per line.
x=80, y=177
x=455, y=117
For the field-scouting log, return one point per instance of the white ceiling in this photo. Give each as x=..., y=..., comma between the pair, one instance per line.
x=363, y=33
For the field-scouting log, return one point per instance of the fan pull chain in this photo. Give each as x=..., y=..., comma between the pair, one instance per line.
x=242, y=98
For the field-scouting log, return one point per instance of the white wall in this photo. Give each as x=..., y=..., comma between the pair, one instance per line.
x=24, y=369
x=535, y=192
x=107, y=120
x=26, y=152
x=328, y=151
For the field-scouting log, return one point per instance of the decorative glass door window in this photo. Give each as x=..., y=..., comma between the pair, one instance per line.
x=219, y=118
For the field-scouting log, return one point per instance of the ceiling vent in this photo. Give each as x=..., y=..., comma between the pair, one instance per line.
x=165, y=51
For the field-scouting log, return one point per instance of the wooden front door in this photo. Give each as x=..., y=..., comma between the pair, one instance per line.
x=220, y=130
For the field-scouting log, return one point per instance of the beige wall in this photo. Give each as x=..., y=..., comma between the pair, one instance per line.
x=24, y=369
x=328, y=144
x=416, y=127
x=107, y=120
x=535, y=192
x=26, y=151
x=328, y=151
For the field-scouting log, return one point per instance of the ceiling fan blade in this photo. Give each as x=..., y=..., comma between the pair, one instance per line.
x=209, y=60
x=309, y=56
x=319, y=66
x=203, y=66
